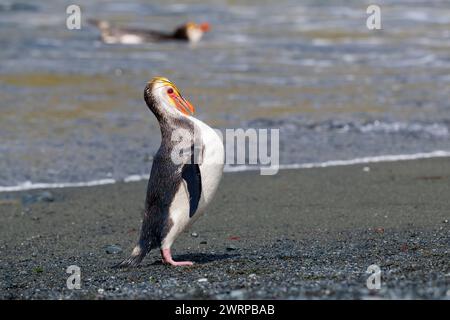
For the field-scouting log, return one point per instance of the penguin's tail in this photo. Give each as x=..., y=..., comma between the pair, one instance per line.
x=146, y=242
x=137, y=255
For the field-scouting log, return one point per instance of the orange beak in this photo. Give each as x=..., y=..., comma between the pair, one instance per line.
x=205, y=27
x=182, y=104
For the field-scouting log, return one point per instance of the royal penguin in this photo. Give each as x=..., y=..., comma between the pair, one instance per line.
x=190, y=32
x=185, y=174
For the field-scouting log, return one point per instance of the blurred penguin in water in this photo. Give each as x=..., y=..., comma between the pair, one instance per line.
x=190, y=32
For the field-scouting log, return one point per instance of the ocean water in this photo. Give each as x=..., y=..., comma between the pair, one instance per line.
x=72, y=109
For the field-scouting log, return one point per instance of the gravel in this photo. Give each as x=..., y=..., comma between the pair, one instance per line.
x=314, y=239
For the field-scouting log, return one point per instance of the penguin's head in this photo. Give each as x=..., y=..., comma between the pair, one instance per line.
x=192, y=31
x=164, y=99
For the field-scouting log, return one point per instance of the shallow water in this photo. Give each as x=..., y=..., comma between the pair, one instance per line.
x=72, y=109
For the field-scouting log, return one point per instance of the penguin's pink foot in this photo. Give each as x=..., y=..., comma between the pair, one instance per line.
x=167, y=258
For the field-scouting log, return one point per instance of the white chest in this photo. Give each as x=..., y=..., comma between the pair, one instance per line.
x=212, y=161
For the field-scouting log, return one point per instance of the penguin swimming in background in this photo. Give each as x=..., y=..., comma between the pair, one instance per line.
x=190, y=32
x=185, y=174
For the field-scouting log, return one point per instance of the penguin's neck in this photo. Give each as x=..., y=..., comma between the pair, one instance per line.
x=168, y=124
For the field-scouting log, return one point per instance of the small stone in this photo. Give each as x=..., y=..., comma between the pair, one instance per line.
x=194, y=234
x=113, y=249
x=445, y=221
x=46, y=196
x=231, y=248
x=202, y=280
x=366, y=169
x=237, y=294
x=101, y=291
x=179, y=296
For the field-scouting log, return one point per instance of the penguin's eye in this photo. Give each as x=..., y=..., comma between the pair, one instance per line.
x=170, y=91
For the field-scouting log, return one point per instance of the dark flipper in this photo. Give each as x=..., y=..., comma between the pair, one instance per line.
x=191, y=174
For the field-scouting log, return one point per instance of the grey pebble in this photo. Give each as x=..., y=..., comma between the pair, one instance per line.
x=113, y=249
x=237, y=294
x=45, y=196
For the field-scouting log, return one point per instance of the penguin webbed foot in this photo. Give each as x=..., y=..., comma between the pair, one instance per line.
x=179, y=263
x=167, y=259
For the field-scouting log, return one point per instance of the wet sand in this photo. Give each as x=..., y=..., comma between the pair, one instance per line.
x=300, y=234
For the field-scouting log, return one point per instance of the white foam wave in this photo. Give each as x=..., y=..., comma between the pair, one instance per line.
x=28, y=185
x=335, y=163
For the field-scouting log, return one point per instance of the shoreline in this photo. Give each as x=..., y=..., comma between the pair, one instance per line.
x=28, y=185
x=301, y=234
